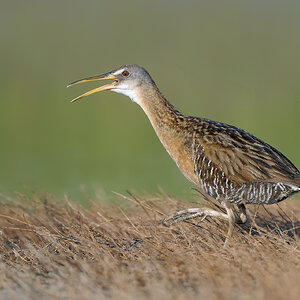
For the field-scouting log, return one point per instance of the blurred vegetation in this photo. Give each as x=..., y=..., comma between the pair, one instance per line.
x=231, y=61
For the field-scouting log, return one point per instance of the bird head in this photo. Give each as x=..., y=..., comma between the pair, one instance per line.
x=127, y=80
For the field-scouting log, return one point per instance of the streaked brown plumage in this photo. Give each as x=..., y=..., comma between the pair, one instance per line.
x=223, y=161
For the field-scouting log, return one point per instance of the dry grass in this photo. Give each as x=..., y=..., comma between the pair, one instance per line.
x=51, y=249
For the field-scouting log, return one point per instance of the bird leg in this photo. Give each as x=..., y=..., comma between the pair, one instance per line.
x=190, y=213
x=203, y=212
x=231, y=220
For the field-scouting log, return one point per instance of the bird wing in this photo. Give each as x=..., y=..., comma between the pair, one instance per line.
x=244, y=158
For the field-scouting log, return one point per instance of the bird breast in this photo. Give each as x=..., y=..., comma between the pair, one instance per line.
x=182, y=155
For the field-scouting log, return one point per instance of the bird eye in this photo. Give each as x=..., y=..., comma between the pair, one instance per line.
x=125, y=73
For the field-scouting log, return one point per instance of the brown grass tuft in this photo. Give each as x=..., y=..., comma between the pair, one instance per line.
x=51, y=249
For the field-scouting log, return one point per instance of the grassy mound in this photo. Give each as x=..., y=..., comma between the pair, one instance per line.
x=56, y=249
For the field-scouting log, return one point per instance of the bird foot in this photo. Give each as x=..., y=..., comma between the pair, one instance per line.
x=203, y=212
x=192, y=213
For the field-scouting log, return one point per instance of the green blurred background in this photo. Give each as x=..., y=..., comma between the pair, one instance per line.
x=233, y=61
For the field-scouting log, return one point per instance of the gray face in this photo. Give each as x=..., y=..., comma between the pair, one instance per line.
x=131, y=77
x=129, y=80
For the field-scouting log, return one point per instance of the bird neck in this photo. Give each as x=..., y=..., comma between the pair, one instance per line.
x=169, y=125
x=161, y=113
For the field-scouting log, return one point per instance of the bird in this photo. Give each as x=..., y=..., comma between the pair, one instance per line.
x=224, y=162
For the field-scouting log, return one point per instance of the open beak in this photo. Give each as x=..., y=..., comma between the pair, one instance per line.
x=99, y=89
